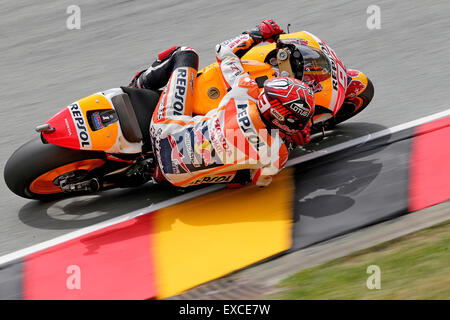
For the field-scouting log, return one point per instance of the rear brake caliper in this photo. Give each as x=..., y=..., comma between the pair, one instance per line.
x=72, y=182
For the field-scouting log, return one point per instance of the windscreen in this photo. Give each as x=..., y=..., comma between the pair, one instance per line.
x=316, y=66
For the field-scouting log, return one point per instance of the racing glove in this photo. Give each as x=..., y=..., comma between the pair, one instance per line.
x=302, y=137
x=267, y=31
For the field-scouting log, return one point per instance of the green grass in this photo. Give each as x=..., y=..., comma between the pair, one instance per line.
x=416, y=266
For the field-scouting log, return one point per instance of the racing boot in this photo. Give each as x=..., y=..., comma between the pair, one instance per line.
x=157, y=76
x=179, y=93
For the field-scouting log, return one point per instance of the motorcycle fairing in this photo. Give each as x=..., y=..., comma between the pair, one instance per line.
x=209, y=89
x=91, y=124
x=333, y=93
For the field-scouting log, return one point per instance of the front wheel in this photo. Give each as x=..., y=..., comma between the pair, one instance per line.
x=35, y=169
x=350, y=108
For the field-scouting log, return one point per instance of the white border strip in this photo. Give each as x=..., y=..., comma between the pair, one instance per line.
x=194, y=194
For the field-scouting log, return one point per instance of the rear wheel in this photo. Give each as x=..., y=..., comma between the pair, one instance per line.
x=36, y=170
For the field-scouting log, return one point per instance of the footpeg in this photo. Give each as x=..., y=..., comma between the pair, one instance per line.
x=91, y=185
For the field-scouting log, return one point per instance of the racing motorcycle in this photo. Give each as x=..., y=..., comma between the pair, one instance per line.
x=103, y=141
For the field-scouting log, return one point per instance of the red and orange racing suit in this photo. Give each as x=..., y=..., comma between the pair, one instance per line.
x=228, y=140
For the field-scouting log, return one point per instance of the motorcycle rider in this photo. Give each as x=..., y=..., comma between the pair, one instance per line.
x=242, y=140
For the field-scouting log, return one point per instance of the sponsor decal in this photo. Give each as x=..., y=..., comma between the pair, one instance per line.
x=184, y=152
x=283, y=127
x=336, y=70
x=354, y=88
x=155, y=133
x=218, y=139
x=161, y=108
x=235, y=41
x=80, y=125
x=106, y=118
x=156, y=137
x=213, y=179
x=300, y=109
x=114, y=158
x=317, y=87
x=231, y=67
x=68, y=126
x=180, y=91
x=203, y=147
x=176, y=156
x=264, y=105
x=187, y=139
x=303, y=42
x=276, y=114
x=333, y=65
x=246, y=126
x=353, y=73
x=191, y=82
x=97, y=120
x=235, y=68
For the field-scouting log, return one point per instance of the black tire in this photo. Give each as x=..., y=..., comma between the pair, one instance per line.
x=35, y=158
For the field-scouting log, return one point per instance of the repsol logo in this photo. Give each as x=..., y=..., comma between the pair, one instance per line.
x=214, y=179
x=246, y=126
x=180, y=91
x=333, y=65
x=80, y=124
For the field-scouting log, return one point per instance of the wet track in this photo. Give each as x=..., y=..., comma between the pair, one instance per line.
x=44, y=66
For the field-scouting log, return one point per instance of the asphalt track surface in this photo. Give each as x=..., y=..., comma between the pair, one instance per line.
x=44, y=67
